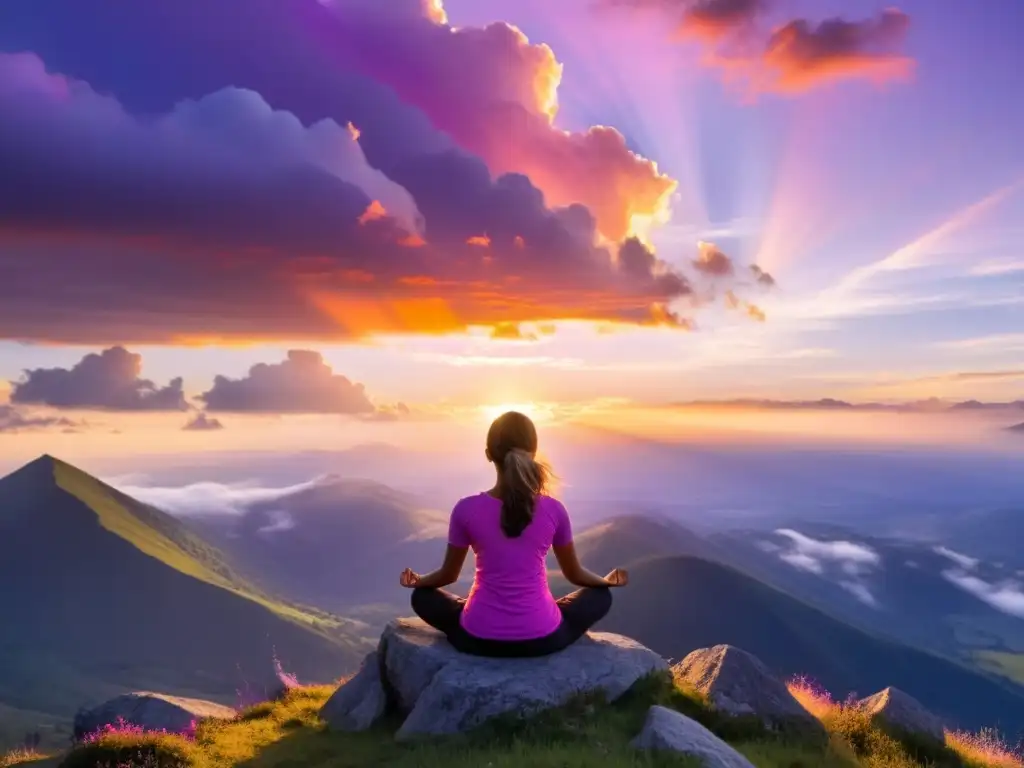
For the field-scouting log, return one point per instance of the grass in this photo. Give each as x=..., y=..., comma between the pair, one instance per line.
x=586, y=733
x=876, y=746
x=161, y=537
x=1009, y=665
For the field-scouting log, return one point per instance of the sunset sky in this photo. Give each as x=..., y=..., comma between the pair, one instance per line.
x=506, y=201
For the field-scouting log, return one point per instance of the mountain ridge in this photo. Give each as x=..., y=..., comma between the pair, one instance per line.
x=111, y=591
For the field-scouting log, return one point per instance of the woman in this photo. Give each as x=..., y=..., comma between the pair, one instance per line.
x=510, y=610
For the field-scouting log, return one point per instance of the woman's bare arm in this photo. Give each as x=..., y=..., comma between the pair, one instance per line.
x=574, y=571
x=448, y=573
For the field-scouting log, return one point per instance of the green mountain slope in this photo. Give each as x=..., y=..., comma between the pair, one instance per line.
x=104, y=594
x=677, y=604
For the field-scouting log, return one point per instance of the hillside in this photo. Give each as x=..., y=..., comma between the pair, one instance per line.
x=625, y=539
x=338, y=544
x=111, y=594
x=676, y=604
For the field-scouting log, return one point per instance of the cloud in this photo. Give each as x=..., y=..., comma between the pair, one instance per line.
x=15, y=420
x=711, y=261
x=853, y=560
x=511, y=332
x=795, y=56
x=1007, y=596
x=965, y=562
x=203, y=423
x=303, y=383
x=804, y=55
x=848, y=552
x=223, y=218
x=803, y=561
x=474, y=83
x=714, y=19
x=280, y=520
x=394, y=412
x=109, y=380
x=860, y=592
x=762, y=277
x=209, y=498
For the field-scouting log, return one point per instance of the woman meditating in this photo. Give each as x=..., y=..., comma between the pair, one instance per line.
x=510, y=610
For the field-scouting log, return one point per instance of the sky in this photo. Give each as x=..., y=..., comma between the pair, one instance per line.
x=383, y=210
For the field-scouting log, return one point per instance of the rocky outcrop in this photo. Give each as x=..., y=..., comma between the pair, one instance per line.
x=736, y=683
x=442, y=691
x=899, y=710
x=360, y=701
x=666, y=729
x=149, y=711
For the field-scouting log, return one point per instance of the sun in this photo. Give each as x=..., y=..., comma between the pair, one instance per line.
x=537, y=412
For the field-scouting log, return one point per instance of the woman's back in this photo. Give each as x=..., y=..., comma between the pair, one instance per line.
x=510, y=598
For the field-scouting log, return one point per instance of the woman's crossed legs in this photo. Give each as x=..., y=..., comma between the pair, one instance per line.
x=580, y=610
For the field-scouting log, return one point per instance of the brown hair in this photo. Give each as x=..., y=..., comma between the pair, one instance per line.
x=512, y=446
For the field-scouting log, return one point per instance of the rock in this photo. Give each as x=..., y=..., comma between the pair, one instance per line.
x=737, y=683
x=360, y=701
x=150, y=711
x=666, y=729
x=272, y=685
x=442, y=691
x=901, y=710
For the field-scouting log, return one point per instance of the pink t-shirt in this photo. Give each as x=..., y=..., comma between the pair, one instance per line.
x=510, y=598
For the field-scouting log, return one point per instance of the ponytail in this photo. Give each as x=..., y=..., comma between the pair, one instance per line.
x=523, y=479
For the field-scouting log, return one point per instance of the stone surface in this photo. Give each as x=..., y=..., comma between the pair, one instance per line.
x=151, y=711
x=271, y=684
x=666, y=729
x=737, y=683
x=901, y=710
x=442, y=691
x=360, y=701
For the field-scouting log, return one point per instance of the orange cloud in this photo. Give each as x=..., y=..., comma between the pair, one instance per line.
x=481, y=241
x=373, y=212
x=803, y=56
x=755, y=312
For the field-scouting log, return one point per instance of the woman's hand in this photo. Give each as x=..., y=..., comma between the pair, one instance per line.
x=409, y=579
x=619, y=577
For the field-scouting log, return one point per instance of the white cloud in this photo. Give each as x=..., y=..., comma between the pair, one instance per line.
x=802, y=561
x=210, y=498
x=859, y=591
x=962, y=560
x=853, y=560
x=853, y=557
x=1007, y=596
x=280, y=520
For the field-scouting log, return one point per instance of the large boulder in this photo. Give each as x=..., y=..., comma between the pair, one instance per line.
x=666, y=729
x=442, y=691
x=149, y=711
x=360, y=701
x=901, y=711
x=737, y=683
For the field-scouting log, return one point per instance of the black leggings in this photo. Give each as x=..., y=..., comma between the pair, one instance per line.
x=580, y=611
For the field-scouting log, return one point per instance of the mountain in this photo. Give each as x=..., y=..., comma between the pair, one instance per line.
x=1017, y=428
x=338, y=544
x=104, y=594
x=911, y=591
x=677, y=604
x=625, y=539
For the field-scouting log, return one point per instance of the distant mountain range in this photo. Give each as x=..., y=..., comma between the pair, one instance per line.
x=113, y=594
x=103, y=594
x=931, y=405
x=339, y=544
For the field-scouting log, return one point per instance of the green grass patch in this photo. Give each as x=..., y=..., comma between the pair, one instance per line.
x=1009, y=665
x=585, y=733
